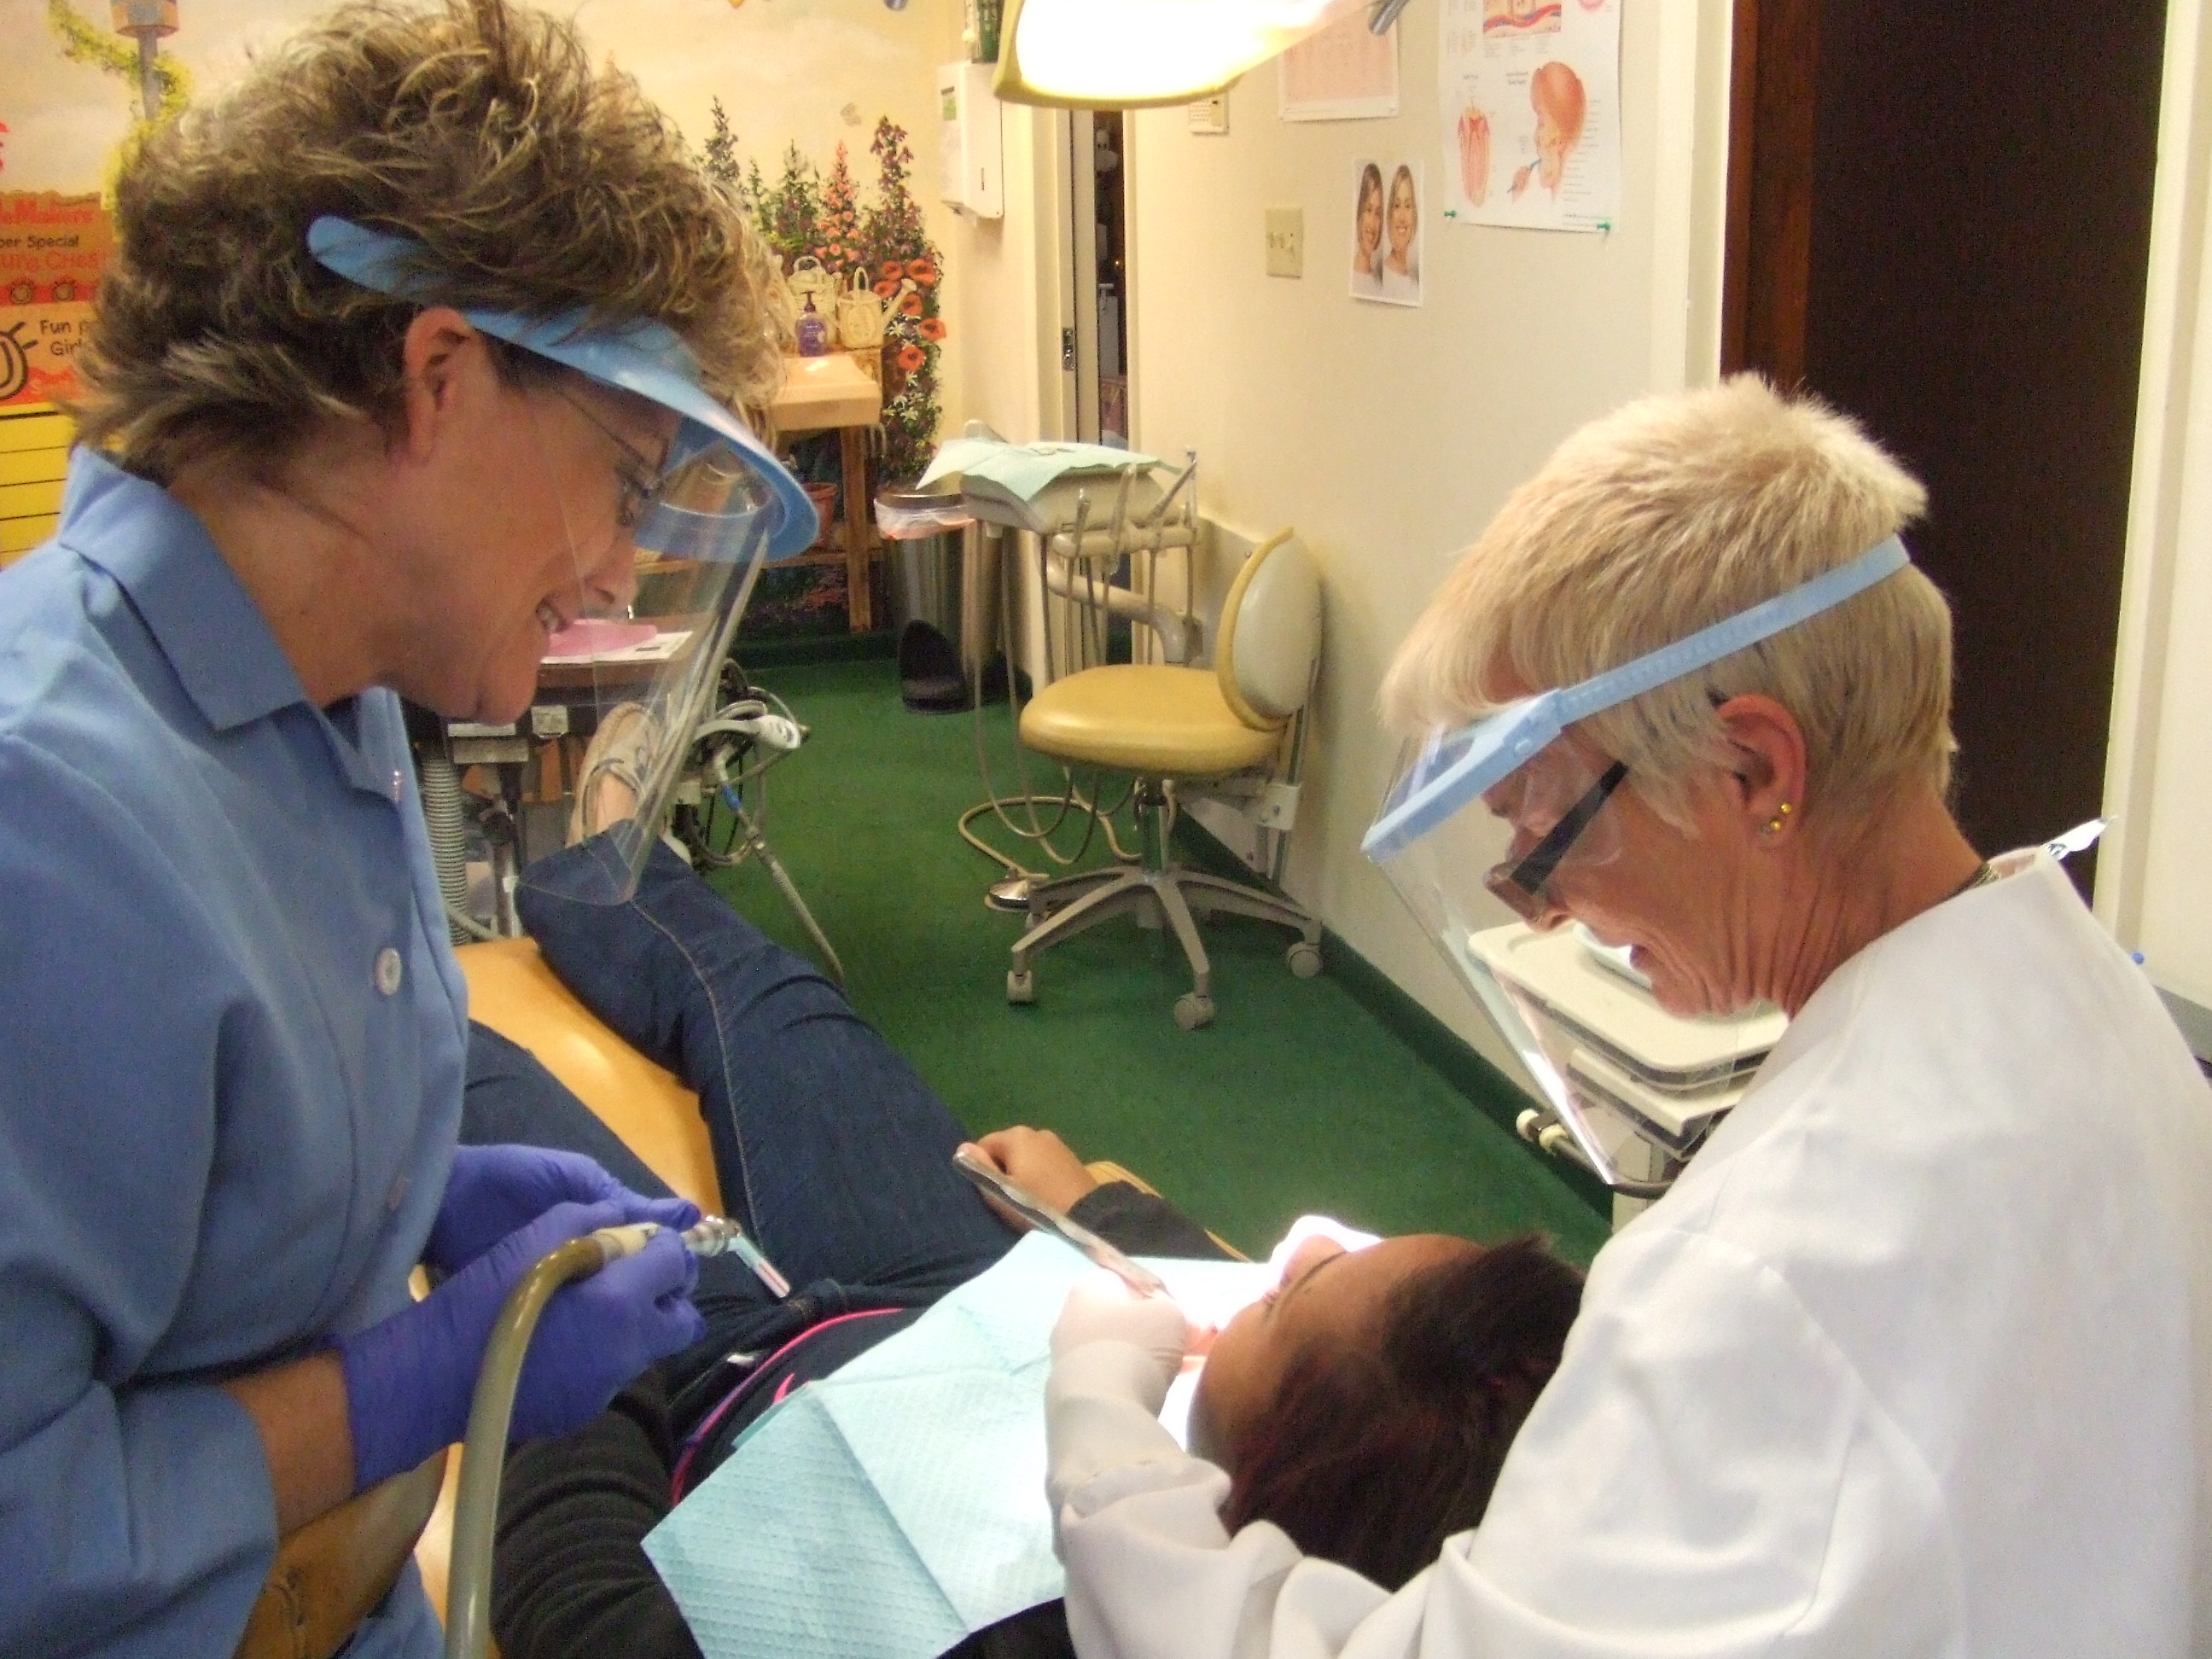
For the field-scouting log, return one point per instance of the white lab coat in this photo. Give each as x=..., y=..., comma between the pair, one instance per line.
x=1916, y=1359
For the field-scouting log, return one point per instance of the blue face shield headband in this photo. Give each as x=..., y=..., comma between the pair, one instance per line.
x=1454, y=770
x=721, y=489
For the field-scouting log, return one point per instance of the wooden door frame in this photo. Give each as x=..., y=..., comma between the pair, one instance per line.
x=1765, y=293
x=1080, y=258
x=2171, y=509
x=1766, y=266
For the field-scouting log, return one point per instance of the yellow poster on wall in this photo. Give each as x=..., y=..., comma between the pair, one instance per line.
x=53, y=248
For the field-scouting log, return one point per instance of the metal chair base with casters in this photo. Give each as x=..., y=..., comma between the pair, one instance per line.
x=1155, y=891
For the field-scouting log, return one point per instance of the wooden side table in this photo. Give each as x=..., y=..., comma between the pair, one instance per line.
x=840, y=392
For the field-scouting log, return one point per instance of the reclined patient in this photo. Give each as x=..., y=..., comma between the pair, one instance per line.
x=1365, y=1404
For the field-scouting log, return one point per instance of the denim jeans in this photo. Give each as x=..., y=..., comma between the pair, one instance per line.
x=831, y=1151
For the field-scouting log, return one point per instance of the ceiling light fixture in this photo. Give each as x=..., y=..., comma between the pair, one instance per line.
x=1128, y=54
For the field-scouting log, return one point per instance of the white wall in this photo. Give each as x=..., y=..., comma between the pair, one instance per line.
x=1003, y=291
x=2153, y=879
x=1008, y=295
x=1387, y=436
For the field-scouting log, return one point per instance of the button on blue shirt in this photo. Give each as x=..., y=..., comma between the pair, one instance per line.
x=231, y=1040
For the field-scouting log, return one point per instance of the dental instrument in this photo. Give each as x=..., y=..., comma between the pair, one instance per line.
x=1042, y=1216
x=718, y=1235
x=731, y=751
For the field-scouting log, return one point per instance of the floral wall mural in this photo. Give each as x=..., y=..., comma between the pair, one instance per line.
x=877, y=239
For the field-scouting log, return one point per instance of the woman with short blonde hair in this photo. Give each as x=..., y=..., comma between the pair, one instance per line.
x=1673, y=514
x=1916, y=1356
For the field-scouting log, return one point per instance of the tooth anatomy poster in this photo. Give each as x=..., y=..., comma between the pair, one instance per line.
x=1531, y=107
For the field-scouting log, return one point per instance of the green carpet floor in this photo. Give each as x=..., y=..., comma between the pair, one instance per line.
x=1296, y=1098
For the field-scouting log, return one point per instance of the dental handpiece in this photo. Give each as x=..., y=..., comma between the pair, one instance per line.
x=715, y=1235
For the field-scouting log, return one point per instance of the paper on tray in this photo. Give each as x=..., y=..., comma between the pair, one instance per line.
x=661, y=647
x=899, y=1505
x=1025, y=470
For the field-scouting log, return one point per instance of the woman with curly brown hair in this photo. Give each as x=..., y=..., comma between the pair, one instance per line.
x=413, y=339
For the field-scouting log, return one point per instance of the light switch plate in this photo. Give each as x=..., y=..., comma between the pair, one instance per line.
x=1287, y=241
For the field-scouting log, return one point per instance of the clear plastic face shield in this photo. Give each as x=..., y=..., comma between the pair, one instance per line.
x=1552, y=805
x=1526, y=770
x=658, y=507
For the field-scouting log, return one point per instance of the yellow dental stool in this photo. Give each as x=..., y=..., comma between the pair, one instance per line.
x=1170, y=724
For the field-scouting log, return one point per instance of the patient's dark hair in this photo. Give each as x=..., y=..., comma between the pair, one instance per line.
x=1373, y=1456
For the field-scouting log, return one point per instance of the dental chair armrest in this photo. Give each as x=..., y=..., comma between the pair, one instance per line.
x=331, y=1574
x=1179, y=634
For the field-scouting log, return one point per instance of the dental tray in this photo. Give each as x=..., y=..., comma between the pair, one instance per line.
x=1603, y=1013
x=1677, y=1122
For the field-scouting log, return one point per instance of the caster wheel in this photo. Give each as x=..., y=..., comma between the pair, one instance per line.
x=1305, y=960
x=1021, y=988
x=1193, y=1011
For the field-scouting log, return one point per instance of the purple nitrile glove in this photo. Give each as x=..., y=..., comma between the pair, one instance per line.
x=410, y=1380
x=495, y=1189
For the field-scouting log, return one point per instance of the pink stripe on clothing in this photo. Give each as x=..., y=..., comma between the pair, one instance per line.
x=698, y=1436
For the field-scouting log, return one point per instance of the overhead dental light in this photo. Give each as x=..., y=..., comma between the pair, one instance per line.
x=1126, y=54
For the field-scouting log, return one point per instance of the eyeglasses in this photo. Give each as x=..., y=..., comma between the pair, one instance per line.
x=1519, y=884
x=640, y=480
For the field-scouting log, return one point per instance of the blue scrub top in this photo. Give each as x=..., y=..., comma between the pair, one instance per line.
x=232, y=1038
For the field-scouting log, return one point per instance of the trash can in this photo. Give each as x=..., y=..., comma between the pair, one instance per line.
x=942, y=648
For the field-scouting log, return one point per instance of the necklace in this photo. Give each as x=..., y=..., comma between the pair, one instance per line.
x=1984, y=873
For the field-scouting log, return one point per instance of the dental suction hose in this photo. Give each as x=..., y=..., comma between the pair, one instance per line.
x=491, y=1410
x=1544, y=1130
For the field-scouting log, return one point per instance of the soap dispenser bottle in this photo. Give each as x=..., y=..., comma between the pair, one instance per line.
x=814, y=331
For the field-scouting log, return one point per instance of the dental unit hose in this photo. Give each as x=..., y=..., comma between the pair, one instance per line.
x=484, y=1453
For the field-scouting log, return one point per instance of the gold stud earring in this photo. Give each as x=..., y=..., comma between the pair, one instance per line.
x=1781, y=817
